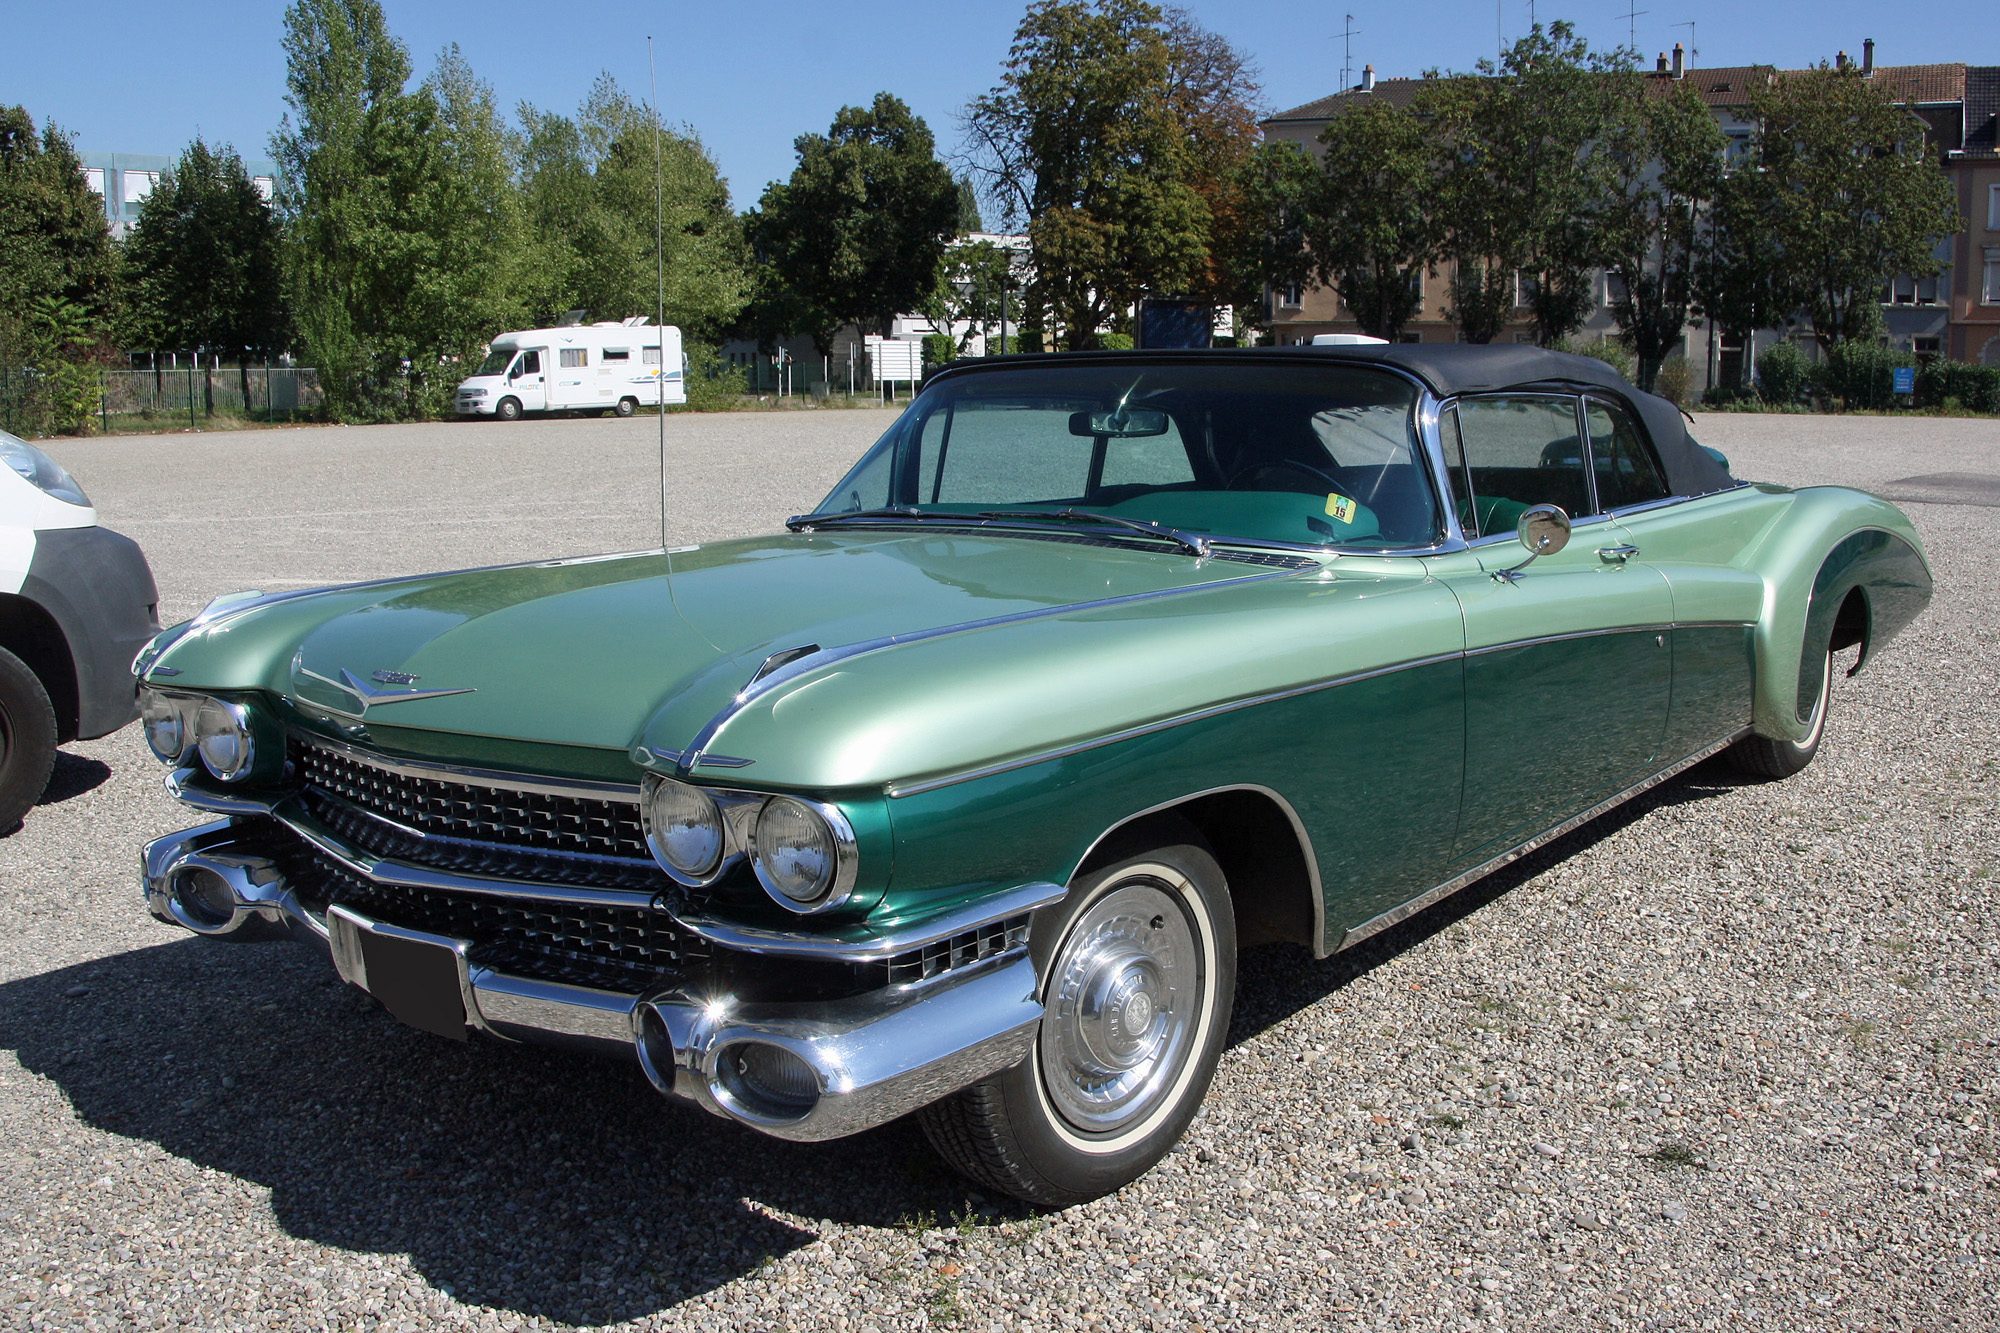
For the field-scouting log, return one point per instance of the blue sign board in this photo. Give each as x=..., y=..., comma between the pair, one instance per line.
x=1906, y=380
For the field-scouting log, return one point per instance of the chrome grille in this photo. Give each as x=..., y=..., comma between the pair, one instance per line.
x=469, y=826
x=961, y=950
x=624, y=949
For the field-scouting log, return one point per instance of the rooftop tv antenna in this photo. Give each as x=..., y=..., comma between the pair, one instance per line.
x=659, y=286
x=1631, y=16
x=1347, y=36
x=1693, y=50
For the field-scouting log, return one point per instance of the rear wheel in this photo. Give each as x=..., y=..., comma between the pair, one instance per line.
x=509, y=409
x=1139, y=969
x=27, y=740
x=1770, y=758
x=627, y=406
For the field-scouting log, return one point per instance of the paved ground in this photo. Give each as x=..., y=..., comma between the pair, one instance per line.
x=1726, y=1058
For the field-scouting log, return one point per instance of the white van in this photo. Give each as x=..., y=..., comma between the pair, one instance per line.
x=597, y=368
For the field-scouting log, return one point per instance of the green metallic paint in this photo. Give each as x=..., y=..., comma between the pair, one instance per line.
x=1894, y=584
x=1359, y=690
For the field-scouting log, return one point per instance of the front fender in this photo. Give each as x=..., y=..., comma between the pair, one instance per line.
x=1832, y=542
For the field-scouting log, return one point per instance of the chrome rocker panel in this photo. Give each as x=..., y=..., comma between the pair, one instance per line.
x=874, y=1057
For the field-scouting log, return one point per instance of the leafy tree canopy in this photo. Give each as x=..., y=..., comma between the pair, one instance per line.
x=54, y=241
x=203, y=260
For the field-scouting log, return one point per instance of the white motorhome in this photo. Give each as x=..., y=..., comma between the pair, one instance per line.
x=597, y=368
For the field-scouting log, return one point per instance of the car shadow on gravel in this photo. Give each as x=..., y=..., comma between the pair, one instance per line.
x=1277, y=981
x=72, y=776
x=529, y=1180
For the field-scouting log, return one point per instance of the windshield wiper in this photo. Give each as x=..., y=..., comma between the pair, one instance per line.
x=805, y=522
x=1194, y=546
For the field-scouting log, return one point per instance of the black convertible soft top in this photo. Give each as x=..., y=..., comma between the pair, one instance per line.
x=1451, y=368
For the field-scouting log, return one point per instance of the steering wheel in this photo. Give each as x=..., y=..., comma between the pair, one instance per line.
x=1257, y=471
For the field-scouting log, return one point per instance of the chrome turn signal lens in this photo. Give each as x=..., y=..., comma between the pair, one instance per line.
x=222, y=736
x=803, y=853
x=166, y=719
x=683, y=827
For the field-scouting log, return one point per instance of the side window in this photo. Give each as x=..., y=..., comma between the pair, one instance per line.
x=619, y=354
x=531, y=364
x=1626, y=472
x=571, y=357
x=1521, y=450
x=1456, y=475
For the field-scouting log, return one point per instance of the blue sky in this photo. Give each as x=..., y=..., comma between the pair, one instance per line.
x=750, y=77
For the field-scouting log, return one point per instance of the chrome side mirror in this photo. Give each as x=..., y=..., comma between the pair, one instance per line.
x=1544, y=530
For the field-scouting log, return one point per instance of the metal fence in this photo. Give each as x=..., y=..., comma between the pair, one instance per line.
x=273, y=393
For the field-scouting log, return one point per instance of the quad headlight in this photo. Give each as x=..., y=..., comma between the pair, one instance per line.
x=223, y=737
x=168, y=720
x=803, y=852
x=683, y=827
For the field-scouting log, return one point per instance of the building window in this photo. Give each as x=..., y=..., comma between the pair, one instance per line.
x=1524, y=337
x=1292, y=297
x=572, y=357
x=1525, y=287
x=94, y=178
x=139, y=184
x=1927, y=349
x=265, y=187
x=1990, y=293
x=1614, y=289
x=1993, y=208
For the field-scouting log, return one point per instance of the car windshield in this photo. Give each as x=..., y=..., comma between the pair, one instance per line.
x=496, y=361
x=1254, y=451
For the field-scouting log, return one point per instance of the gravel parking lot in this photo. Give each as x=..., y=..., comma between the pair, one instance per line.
x=1730, y=1056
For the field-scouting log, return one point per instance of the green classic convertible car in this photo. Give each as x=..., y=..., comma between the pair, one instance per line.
x=960, y=796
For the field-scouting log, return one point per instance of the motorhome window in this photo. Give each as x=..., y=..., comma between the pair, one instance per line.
x=531, y=364
x=496, y=361
x=652, y=357
x=617, y=354
x=573, y=357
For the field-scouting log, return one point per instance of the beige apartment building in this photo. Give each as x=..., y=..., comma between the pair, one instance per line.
x=1955, y=314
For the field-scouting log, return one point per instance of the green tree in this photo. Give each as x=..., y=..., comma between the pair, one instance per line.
x=1665, y=159
x=54, y=241
x=345, y=75
x=203, y=263
x=1118, y=131
x=1738, y=280
x=969, y=218
x=1520, y=175
x=1847, y=193
x=858, y=233
x=970, y=285
x=1267, y=249
x=1372, y=229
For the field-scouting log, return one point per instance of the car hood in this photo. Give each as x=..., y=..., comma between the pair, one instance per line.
x=649, y=649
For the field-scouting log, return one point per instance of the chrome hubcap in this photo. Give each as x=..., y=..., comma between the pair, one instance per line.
x=1122, y=1001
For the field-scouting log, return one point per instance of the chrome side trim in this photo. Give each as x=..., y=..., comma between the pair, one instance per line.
x=789, y=671
x=1565, y=638
x=580, y=788
x=896, y=789
x=863, y=945
x=1377, y=924
x=1298, y=831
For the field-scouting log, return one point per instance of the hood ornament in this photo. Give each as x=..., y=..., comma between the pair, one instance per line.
x=369, y=695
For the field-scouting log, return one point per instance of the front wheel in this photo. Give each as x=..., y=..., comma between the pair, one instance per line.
x=27, y=740
x=1767, y=758
x=509, y=409
x=1138, y=972
x=627, y=406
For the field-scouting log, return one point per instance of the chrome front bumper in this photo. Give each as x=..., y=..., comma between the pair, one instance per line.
x=872, y=1057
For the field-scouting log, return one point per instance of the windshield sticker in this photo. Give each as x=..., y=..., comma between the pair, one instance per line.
x=1341, y=508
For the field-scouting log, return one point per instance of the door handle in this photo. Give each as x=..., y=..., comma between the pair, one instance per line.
x=1616, y=555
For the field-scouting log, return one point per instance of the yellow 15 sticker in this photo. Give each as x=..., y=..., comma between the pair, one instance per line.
x=1340, y=507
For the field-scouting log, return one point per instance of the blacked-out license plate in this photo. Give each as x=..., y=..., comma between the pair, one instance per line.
x=415, y=980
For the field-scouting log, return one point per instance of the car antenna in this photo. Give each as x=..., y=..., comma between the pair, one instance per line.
x=659, y=295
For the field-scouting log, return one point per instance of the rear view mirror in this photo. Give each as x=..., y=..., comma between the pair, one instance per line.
x=1124, y=424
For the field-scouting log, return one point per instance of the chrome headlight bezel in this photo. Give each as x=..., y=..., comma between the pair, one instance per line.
x=835, y=883
x=225, y=721
x=169, y=708
x=654, y=793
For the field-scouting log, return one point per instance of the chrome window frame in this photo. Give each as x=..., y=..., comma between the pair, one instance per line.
x=1443, y=471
